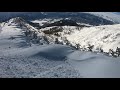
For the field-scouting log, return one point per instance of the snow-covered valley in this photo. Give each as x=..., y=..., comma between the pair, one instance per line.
x=58, y=51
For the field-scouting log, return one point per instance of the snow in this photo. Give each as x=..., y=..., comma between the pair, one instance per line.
x=0, y=27
x=61, y=71
x=112, y=16
x=91, y=65
x=84, y=24
x=105, y=37
x=18, y=59
x=41, y=22
x=46, y=20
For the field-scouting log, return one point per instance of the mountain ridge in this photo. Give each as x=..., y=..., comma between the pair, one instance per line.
x=75, y=36
x=77, y=16
x=58, y=51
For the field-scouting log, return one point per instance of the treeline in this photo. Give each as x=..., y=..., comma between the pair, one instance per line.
x=111, y=52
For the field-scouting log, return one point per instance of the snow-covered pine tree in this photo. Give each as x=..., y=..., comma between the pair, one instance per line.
x=77, y=46
x=118, y=51
x=90, y=47
x=56, y=41
x=101, y=50
x=112, y=53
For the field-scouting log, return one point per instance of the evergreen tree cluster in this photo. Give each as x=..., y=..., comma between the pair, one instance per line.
x=115, y=53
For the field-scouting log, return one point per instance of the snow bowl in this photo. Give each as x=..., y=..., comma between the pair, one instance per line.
x=82, y=56
x=54, y=52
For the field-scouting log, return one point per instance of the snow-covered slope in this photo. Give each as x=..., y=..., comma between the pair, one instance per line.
x=91, y=65
x=102, y=37
x=105, y=37
x=112, y=16
x=43, y=21
x=21, y=57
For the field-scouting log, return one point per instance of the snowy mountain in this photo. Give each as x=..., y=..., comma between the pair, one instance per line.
x=68, y=32
x=21, y=58
x=112, y=16
x=80, y=17
x=105, y=37
x=26, y=15
x=59, y=48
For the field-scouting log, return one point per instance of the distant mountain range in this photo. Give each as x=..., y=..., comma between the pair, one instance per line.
x=112, y=16
x=92, y=18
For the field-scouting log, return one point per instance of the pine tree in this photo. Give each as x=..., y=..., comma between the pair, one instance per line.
x=101, y=50
x=46, y=39
x=77, y=46
x=56, y=41
x=112, y=53
x=118, y=51
x=34, y=35
x=67, y=42
x=90, y=47
x=26, y=34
